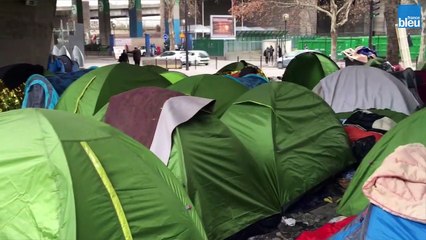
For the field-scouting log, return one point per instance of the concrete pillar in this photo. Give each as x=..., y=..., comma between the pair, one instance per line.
x=176, y=22
x=86, y=21
x=104, y=21
x=26, y=31
x=135, y=18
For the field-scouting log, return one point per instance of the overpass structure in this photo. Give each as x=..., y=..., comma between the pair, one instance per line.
x=26, y=26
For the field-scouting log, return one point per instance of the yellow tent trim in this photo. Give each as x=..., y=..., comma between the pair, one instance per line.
x=82, y=93
x=108, y=185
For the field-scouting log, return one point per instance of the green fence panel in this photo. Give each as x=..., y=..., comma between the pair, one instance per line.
x=323, y=44
x=212, y=47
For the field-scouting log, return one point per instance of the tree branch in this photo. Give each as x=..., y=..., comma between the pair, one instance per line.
x=344, y=6
x=346, y=17
x=302, y=4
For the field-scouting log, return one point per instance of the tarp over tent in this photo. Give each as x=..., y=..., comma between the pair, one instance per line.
x=410, y=130
x=61, y=81
x=220, y=176
x=293, y=134
x=307, y=69
x=70, y=177
x=92, y=91
x=365, y=87
x=219, y=88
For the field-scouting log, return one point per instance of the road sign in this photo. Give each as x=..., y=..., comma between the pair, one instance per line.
x=165, y=37
x=182, y=35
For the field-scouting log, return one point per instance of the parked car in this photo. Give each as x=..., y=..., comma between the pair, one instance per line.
x=199, y=57
x=283, y=62
x=180, y=55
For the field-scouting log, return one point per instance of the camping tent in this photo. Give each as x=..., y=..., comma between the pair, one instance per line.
x=219, y=88
x=365, y=87
x=70, y=177
x=293, y=134
x=39, y=93
x=308, y=68
x=410, y=130
x=250, y=80
x=173, y=77
x=236, y=68
x=92, y=91
x=221, y=178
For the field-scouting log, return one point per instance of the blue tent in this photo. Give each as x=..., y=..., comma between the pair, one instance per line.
x=250, y=80
x=376, y=223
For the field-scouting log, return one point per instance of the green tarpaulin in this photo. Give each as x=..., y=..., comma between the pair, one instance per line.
x=219, y=88
x=410, y=130
x=292, y=134
x=307, y=69
x=63, y=176
x=92, y=91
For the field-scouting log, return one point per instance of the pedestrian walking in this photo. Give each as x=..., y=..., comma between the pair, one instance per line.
x=137, y=54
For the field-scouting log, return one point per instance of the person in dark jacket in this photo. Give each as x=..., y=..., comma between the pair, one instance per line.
x=124, y=58
x=137, y=54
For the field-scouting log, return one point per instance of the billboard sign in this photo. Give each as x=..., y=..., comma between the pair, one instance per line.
x=222, y=27
x=409, y=16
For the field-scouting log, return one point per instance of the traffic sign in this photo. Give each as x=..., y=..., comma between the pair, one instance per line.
x=165, y=37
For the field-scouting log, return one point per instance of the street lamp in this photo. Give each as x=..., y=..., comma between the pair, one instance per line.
x=285, y=18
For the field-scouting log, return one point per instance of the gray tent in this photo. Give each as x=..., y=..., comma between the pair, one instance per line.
x=364, y=88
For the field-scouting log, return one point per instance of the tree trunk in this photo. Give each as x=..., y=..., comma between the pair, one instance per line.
x=421, y=60
x=171, y=28
x=391, y=19
x=333, y=30
x=333, y=34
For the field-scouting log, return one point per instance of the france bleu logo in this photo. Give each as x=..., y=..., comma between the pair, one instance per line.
x=409, y=16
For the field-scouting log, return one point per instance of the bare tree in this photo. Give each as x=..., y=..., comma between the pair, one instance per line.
x=391, y=17
x=169, y=6
x=339, y=12
x=421, y=59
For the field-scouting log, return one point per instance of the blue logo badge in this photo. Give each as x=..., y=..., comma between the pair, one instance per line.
x=409, y=16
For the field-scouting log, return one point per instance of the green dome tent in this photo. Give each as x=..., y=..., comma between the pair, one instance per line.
x=70, y=177
x=307, y=69
x=219, y=175
x=293, y=134
x=92, y=91
x=219, y=88
x=410, y=130
x=173, y=77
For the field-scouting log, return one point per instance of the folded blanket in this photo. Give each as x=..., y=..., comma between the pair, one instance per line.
x=399, y=184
